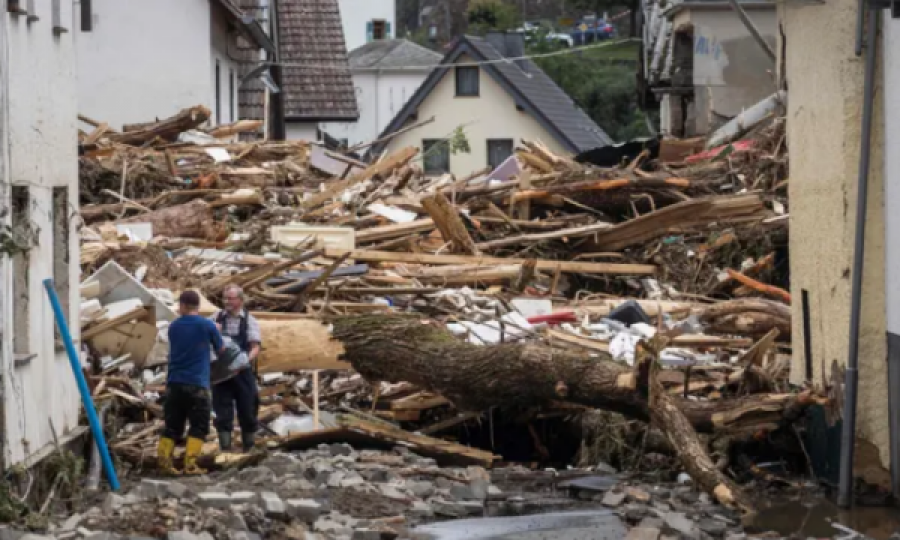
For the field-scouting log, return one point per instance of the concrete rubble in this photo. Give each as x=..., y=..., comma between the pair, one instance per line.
x=287, y=496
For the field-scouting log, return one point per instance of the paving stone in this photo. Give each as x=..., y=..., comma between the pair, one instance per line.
x=448, y=508
x=298, y=484
x=422, y=490
x=154, y=489
x=178, y=490
x=341, y=449
x=256, y=476
x=272, y=504
x=102, y=536
x=420, y=509
x=331, y=527
x=493, y=492
x=335, y=479
x=462, y=493
x=613, y=499
x=181, y=535
x=71, y=523
x=352, y=480
x=306, y=510
x=111, y=503
x=680, y=523
x=235, y=521
x=243, y=497
x=643, y=533
x=473, y=508
x=713, y=527
x=652, y=523
x=244, y=535
x=214, y=499
x=391, y=492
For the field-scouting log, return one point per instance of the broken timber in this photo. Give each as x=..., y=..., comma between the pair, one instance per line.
x=571, y=267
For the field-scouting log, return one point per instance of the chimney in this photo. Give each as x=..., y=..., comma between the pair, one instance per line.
x=515, y=48
x=509, y=45
x=498, y=41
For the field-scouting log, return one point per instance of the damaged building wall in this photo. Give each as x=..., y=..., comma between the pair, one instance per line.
x=41, y=399
x=144, y=60
x=491, y=115
x=825, y=81
x=730, y=71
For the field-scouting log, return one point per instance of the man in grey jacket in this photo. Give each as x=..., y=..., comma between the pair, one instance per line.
x=236, y=389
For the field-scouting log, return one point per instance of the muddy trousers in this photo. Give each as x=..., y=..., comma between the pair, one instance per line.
x=238, y=392
x=186, y=403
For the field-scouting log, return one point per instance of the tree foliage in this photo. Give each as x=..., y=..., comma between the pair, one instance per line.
x=485, y=15
x=604, y=88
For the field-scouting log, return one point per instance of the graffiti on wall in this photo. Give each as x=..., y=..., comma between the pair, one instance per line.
x=707, y=46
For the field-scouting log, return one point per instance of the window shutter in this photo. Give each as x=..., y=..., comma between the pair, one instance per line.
x=370, y=31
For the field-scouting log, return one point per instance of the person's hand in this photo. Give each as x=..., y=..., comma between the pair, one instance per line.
x=219, y=327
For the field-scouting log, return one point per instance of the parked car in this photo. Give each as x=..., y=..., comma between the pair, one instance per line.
x=532, y=29
x=588, y=31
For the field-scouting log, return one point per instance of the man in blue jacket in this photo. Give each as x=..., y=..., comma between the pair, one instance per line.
x=192, y=339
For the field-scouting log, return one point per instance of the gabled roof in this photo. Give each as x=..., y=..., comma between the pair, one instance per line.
x=318, y=87
x=248, y=25
x=393, y=54
x=528, y=85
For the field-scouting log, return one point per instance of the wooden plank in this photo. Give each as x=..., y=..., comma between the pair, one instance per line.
x=571, y=267
x=386, y=165
x=446, y=219
x=419, y=401
x=138, y=313
x=574, y=232
x=295, y=345
x=396, y=230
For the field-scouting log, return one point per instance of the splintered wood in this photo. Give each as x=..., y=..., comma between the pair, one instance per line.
x=528, y=286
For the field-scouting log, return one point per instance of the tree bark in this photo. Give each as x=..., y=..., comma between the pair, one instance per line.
x=168, y=129
x=191, y=220
x=409, y=348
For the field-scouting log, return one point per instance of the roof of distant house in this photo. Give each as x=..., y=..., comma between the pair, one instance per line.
x=393, y=54
x=531, y=88
x=310, y=34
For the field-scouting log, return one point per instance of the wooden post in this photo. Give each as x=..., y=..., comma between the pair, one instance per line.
x=447, y=220
x=316, y=399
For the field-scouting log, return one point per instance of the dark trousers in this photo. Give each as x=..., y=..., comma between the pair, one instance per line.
x=239, y=391
x=186, y=403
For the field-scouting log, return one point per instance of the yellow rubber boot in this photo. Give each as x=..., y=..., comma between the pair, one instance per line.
x=164, y=454
x=194, y=447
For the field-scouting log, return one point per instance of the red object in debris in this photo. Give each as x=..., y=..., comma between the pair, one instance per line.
x=557, y=317
x=739, y=146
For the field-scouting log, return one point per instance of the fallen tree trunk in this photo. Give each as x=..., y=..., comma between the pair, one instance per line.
x=411, y=349
x=191, y=220
x=666, y=415
x=168, y=129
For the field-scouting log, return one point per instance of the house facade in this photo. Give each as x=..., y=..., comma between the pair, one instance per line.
x=316, y=84
x=703, y=65
x=495, y=104
x=825, y=81
x=137, y=62
x=386, y=74
x=39, y=223
x=365, y=21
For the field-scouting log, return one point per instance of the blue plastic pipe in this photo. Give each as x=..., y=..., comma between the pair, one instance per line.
x=96, y=428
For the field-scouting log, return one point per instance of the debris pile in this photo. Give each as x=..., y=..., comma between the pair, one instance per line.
x=399, y=308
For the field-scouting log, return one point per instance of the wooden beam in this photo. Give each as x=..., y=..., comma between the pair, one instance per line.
x=570, y=267
x=446, y=219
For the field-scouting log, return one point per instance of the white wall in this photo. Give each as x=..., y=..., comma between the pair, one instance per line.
x=301, y=131
x=379, y=96
x=223, y=46
x=144, y=60
x=355, y=14
x=42, y=129
x=492, y=115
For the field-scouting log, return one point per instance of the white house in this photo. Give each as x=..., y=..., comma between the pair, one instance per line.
x=496, y=103
x=140, y=60
x=386, y=74
x=39, y=203
x=367, y=20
